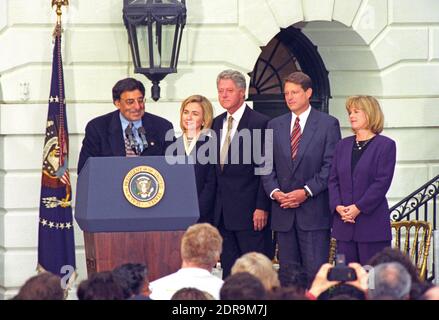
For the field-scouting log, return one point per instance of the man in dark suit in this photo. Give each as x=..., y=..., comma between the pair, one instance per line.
x=128, y=131
x=241, y=206
x=303, y=144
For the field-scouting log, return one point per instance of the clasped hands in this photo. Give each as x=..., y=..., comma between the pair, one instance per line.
x=348, y=213
x=291, y=199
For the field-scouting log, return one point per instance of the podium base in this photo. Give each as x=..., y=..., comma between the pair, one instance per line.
x=158, y=250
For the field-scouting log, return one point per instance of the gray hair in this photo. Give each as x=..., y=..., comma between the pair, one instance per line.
x=236, y=76
x=392, y=282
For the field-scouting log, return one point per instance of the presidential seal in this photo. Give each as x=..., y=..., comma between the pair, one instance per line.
x=143, y=186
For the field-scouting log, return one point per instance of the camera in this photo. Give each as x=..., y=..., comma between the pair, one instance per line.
x=341, y=272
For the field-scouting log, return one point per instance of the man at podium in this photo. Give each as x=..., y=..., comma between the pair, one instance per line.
x=128, y=131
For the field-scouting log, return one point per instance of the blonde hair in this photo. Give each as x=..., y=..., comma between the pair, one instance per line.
x=259, y=266
x=202, y=245
x=370, y=106
x=205, y=104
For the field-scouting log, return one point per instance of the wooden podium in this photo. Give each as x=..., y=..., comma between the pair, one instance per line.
x=118, y=232
x=158, y=250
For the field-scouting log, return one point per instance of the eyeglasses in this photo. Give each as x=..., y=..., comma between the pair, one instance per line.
x=130, y=102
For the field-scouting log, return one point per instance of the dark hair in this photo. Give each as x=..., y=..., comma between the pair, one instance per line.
x=44, y=286
x=286, y=293
x=131, y=277
x=299, y=78
x=100, y=286
x=342, y=290
x=242, y=286
x=293, y=275
x=394, y=255
x=431, y=293
x=189, y=294
x=127, y=84
x=344, y=297
x=418, y=290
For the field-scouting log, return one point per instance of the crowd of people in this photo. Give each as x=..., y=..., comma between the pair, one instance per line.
x=292, y=175
x=390, y=276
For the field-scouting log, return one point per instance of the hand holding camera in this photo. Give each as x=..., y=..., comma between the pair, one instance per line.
x=341, y=272
x=330, y=275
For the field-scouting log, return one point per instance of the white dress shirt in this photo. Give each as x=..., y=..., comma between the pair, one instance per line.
x=303, y=118
x=136, y=125
x=164, y=288
x=237, y=115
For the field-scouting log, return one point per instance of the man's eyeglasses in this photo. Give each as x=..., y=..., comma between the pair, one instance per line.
x=130, y=102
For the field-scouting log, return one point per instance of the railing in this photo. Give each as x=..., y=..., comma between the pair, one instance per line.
x=413, y=202
x=420, y=205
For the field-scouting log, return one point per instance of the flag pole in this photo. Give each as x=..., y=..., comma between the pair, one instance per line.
x=56, y=244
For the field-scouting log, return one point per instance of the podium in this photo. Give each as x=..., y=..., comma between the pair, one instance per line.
x=135, y=209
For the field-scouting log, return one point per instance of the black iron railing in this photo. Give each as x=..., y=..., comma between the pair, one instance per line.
x=420, y=205
x=411, y=206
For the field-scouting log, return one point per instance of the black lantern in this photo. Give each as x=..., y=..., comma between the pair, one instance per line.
x=155, y=28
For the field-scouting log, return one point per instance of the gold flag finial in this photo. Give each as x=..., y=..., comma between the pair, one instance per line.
x=58, y=4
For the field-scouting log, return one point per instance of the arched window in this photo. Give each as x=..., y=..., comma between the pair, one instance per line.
x=290, y=50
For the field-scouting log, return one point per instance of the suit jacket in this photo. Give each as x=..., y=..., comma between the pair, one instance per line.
x=239, y=190
x=366, y=188
x=204, y=178
x=103, y=137
x=311, y=167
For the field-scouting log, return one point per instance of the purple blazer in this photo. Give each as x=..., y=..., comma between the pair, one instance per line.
x=366, y=188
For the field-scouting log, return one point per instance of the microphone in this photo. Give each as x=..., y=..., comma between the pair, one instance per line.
x=142, y=134
x=132, y=141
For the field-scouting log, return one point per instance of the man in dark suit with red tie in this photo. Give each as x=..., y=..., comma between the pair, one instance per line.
x=241, y=206
x=303, y=144
x=128, y=131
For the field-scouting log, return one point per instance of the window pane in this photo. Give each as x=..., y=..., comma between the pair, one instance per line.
x=142, y=38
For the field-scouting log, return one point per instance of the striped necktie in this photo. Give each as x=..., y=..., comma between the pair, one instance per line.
x=295, y=138
x=130, y=152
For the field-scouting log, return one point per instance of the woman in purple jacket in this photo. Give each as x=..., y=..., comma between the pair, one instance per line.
x=361, y=174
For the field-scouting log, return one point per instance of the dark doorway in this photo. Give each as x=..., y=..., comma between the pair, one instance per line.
x=290, y=50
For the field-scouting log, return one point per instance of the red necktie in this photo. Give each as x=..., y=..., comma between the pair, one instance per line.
x=295, y=138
